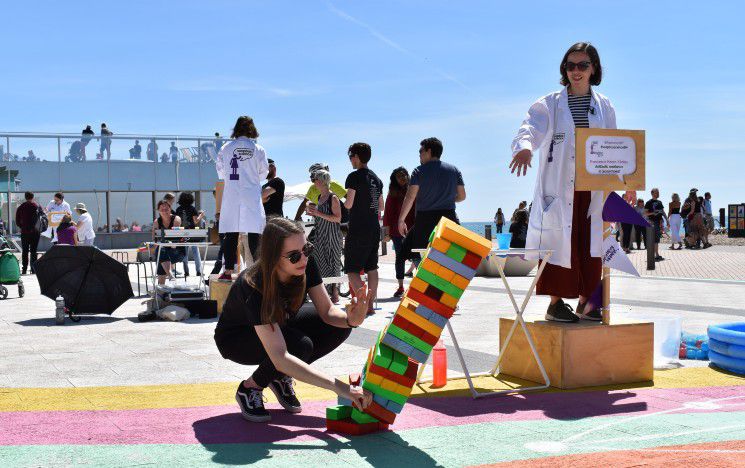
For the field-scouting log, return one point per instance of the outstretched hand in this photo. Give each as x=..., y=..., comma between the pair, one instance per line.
x=357, y=310
x=521, y=162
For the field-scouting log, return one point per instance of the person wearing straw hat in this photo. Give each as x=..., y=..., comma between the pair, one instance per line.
x=86, y=233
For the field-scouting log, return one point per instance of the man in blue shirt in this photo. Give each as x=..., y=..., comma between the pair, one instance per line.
x=436, y=186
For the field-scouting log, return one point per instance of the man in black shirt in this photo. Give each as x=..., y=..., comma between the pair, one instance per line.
x=273, y=192
x=655, y=212
x=364, y=202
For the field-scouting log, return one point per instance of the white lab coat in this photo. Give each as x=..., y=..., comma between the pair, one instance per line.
x=550, y=225
x=242, y=164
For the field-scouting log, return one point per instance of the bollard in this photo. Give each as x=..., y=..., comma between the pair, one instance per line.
x=650, y=240
x=487, y=231
x=722, y=222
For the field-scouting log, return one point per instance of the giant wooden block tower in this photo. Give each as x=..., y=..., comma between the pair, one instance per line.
x=390, y=372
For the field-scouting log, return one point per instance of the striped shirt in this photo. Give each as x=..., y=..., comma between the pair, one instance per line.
x=579, y=107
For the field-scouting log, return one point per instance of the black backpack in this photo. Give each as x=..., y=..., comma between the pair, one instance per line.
x=41, y=222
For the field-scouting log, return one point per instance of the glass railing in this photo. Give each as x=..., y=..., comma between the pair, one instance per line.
x=161, y=149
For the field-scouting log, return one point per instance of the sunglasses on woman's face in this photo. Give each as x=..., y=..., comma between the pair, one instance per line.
x=295, y=255
x=582, y=66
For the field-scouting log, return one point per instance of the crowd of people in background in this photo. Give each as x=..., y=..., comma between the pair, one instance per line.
x=686, y=223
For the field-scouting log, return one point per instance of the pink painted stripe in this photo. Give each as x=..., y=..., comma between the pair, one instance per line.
x=223, y=424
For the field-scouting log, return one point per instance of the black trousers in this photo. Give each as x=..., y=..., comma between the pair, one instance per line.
x=29, y=243
x=626, y=239
x=640, y=235
x=307, y=336
x=218, y=263
x=230, y=246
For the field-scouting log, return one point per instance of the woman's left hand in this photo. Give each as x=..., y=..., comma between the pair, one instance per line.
x=357, y=310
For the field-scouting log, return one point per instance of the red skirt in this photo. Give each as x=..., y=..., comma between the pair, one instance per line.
x=585, y=272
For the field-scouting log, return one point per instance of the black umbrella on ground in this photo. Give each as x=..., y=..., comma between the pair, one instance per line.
x=90, y=281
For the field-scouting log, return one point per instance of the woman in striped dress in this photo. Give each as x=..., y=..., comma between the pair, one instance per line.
x=328, y=238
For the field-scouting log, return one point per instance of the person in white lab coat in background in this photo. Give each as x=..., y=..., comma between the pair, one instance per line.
x=243, y=165
x=566, y=221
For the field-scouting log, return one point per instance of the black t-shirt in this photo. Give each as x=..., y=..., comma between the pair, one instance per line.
x=652, y=206
x=273, y=205
x=242, y=307
x=368, y=188
x=187, y=213
x=519, y=235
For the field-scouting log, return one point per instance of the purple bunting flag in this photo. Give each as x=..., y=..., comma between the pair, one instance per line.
x=616, y=210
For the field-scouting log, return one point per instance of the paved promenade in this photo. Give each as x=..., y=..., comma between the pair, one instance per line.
x=112, y=391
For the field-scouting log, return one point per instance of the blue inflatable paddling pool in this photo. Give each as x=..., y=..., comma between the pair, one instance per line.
x=727, y=346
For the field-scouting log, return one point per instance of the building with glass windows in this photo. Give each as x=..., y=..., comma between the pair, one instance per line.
x=122, y=178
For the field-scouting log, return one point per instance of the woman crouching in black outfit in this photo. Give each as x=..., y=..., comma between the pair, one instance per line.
x=261, y=323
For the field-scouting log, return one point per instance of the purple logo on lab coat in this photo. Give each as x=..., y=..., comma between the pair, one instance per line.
x=239, y=154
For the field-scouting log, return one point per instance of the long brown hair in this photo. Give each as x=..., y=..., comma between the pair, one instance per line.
x=278, y=299
x=244, y=126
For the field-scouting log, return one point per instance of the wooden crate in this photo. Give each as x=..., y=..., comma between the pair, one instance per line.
x=583, y=354
x=219, y=291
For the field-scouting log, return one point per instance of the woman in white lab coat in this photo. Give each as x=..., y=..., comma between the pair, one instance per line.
x=567, y=222
x=243, y=165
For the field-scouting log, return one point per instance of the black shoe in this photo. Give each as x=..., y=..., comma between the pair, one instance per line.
x=146, y=316
x=285, y=393
x=659, y=258
x=595, y=315
x=561, y=312
x=251, y=403
x=409, y=275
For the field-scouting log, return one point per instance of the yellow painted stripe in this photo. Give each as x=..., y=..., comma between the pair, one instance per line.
x=223, y=393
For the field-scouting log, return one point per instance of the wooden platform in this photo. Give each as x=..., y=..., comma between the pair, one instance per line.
x=582, y=354
x=219, y=291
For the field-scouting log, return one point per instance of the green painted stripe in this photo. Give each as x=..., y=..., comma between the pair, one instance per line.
x=470, y=444
x=439, y=283
x=361, y=418
x=407, y=337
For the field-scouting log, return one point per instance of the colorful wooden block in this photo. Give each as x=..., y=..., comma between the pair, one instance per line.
x=418, y=284
x=380, y=413
x=408, y=338
x=472, y=260
x=440, y=244
x=373, y=378
x=435, y=306
x=400, y=363
x=433, y=293
x=396, y=388
x=404, y=380
x=397, y=344
x=387, y=394
x=362, y=418
x=439, y=282
x=423, y=323
x=383, y=355
x=401, y=322
x=419, y=356
x=456, y=267
x=457, y=234
x=449, y=301
x=349, y=427
x=456, y=252
x=338, y=412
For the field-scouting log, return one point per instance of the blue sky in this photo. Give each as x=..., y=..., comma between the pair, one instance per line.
x=317, y=76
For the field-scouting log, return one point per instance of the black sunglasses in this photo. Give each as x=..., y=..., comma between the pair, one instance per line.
x=582, y=66
x=295, y=255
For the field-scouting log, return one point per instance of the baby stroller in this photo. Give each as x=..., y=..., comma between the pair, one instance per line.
x=10, y=271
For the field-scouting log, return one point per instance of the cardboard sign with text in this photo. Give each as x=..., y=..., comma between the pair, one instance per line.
x=609, y=160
